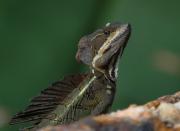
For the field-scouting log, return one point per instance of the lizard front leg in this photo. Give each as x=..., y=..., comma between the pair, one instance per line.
x=104, y=104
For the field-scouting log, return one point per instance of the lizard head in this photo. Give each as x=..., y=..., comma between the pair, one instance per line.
x=102, y=49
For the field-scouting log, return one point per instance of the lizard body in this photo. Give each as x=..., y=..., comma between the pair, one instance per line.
x=80, y=95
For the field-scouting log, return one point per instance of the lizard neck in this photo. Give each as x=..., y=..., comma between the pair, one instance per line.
x=101, y=75
x=103, y=80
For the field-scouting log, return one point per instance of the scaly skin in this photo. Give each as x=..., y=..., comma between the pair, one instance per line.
x=81, y=95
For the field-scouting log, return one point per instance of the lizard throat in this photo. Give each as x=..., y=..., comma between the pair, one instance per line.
x=113, y=66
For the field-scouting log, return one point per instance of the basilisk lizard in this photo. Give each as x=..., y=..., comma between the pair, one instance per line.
x=77, y=96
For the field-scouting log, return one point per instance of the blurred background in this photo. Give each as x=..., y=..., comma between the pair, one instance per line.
x=38, y=42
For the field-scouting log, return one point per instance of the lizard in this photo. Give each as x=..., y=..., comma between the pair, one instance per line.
x=80, y=95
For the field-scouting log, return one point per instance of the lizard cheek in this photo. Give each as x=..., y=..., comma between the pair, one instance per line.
x=84, y=56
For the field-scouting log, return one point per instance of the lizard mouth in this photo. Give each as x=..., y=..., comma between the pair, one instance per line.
x=106, y=60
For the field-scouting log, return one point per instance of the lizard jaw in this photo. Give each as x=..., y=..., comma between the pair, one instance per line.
x=109, y=53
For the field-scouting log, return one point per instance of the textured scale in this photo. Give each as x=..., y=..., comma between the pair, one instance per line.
x=78, y=96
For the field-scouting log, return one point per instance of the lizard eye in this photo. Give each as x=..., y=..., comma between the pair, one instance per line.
x=106, y=32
